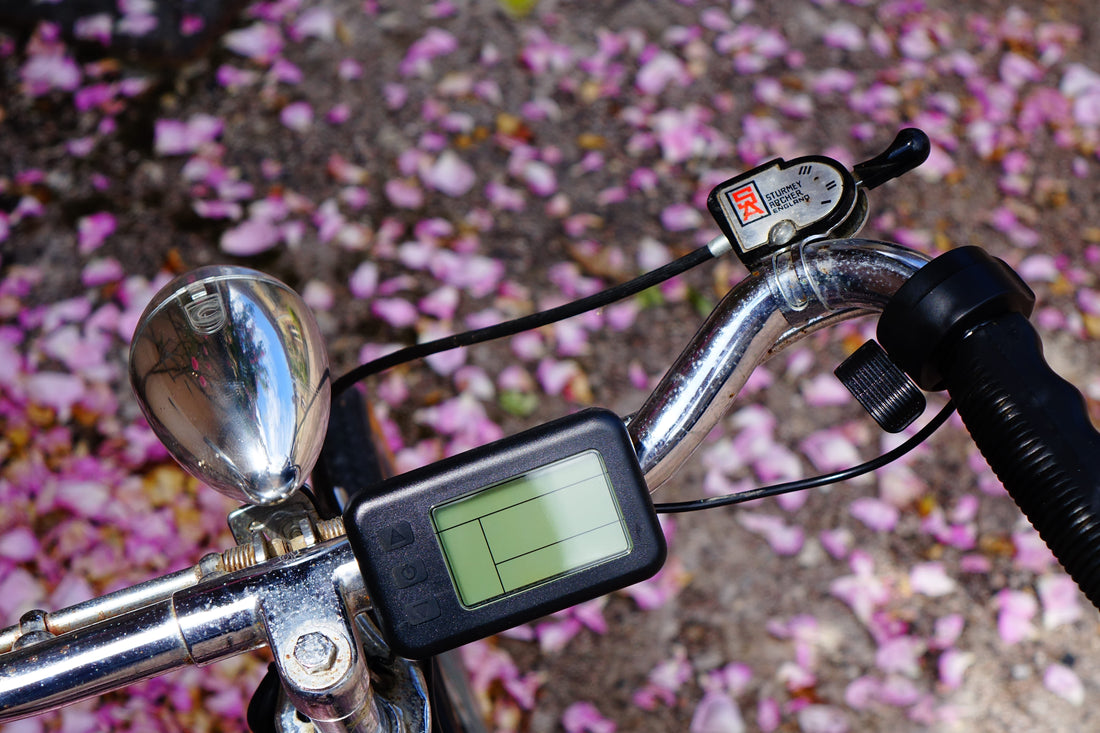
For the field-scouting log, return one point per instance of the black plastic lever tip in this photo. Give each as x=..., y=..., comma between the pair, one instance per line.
x=909, y=149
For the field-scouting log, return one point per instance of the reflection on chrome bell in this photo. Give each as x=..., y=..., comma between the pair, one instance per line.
x=230, y=370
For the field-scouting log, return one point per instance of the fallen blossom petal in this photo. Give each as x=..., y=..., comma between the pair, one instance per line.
x=57, y=390
x=435, y=43
x=297, y=116
x=660, y=589
x=250, y=237
x=952, y=665
x=19, y=591
x=824, y=390
x=844, y=35
x=768, y=714
x=404, y=194
x=875, y=513
x=930, y=579
x=658, y=72
x=1064, y=682
x=43, y=73
x=217, y=209
x=862, y=692
x=716, y=713
x=822, y=719
x=450, y=175
x=784, y=539
x=555, y=634
x=176, y=137
x=1060, y=599
x=901, y=655
x=947, y=630
x=681, y=217
x=397, y=312
x=1016, y=610
x=93, y=229
x=830, y=450
x=19, y=544
x=899, y=691
x=1031, y=552
x=583, y=717
x=837, y=542
x=94, y=28
x=316, y=22
x=540, y=178
x=671, y=674
x=260, y=41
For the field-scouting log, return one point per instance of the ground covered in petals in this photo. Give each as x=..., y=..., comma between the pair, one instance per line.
x=416, y=169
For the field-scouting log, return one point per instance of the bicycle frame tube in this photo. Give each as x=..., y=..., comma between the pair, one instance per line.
x=799, y=291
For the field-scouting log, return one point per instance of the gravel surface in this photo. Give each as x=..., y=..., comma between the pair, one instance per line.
x=418, y=169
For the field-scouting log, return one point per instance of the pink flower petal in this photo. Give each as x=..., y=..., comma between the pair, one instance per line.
x=450, y=175
x=404, y=194
x=316, y=22
x=19, y=544
x=947, y=630
x=1016, y=610
x=1060, y=598
x=93, y=229
x=251, y=237
x=951, y=666
x=716, y=713
x=822, y=719
x=862, y=692
x=930, y=579
x=875, y=513
x=681, y=217
x=435, y=43
x=583, y=717
x=660, y=71
x=784, y=539
x=260, y=41
x=540, y=178
x=1064, y=682
x=901, y=655
x=57, y=390
x=297, y=116
x=43, y=73
x=397, y=312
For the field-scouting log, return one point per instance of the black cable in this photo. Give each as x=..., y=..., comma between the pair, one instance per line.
x=809, y=483
x=524, y=323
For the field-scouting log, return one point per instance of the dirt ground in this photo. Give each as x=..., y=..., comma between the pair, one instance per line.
x=591, y=131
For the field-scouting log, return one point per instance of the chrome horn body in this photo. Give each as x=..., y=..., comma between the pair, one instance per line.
x=230, y=369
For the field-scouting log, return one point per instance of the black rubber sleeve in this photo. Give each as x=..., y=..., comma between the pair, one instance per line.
x=1033, y=428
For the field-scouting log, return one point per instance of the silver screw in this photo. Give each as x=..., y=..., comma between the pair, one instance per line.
x=315, y=652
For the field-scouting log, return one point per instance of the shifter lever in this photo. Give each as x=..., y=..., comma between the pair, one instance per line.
x=781, y=203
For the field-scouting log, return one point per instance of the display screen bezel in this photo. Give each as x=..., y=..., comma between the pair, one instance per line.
x=414, y=600
x=584, y=497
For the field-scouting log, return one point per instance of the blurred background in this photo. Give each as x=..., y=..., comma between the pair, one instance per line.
x=417, y=169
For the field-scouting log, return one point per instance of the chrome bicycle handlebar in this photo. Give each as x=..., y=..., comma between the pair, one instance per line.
x=303, y=604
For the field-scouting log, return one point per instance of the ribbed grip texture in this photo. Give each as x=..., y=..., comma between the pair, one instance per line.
x=1033, y=428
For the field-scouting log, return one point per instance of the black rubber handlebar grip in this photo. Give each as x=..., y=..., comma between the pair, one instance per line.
x=960, y=323
x=1033, y=428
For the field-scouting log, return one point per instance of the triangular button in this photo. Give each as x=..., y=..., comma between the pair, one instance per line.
x=396, y=535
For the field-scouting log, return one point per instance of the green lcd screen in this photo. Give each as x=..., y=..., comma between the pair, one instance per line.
x=543, y=524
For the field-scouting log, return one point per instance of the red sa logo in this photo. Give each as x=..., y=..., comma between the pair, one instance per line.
x=747, y=204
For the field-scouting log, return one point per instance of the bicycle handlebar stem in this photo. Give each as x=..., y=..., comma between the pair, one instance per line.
x=798, y=291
